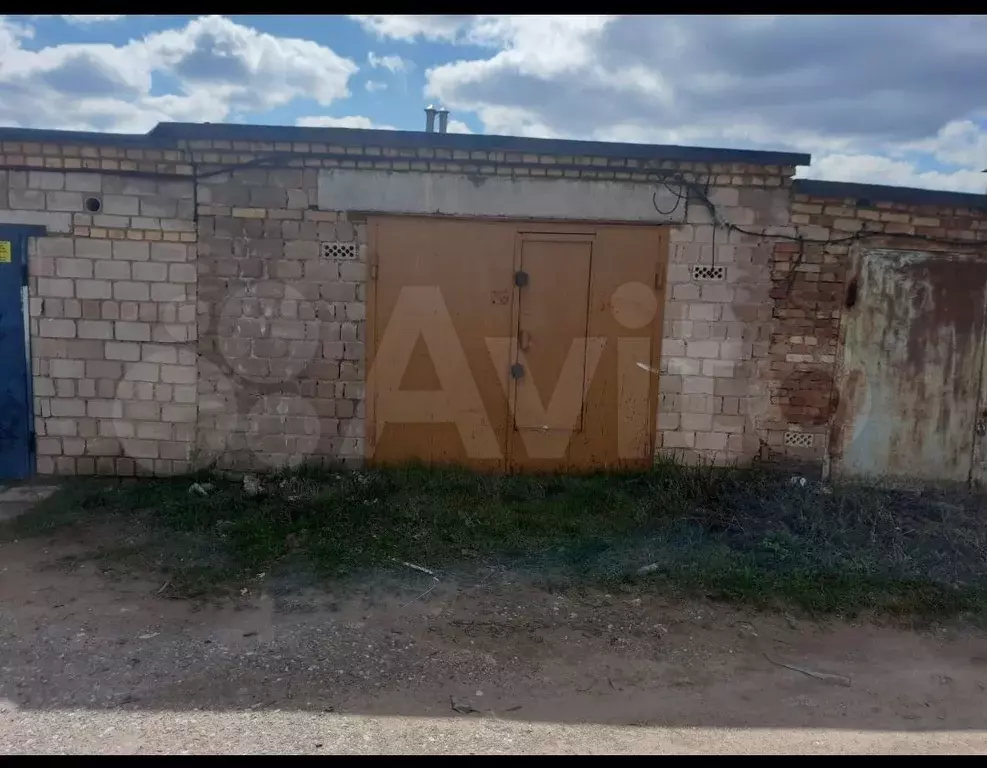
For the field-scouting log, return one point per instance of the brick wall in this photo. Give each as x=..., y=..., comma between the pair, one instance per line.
x=112, y=307
x=281, y=329
x=809, y=286
x=717, y=332
x=282, y=334
x=188, y=322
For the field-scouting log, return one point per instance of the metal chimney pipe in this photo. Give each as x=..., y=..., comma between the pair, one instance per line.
x=430, y=119
x=443, y=121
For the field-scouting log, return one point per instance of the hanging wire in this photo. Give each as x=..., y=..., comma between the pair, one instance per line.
x=685, y=189
x=794, y=268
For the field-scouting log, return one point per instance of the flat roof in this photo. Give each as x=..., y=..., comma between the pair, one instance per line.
x=887, y=194
x=169, y=134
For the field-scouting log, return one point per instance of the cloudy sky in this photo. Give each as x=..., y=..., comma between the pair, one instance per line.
x=883, y=99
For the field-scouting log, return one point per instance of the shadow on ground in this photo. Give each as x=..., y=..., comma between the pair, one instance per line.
x=467, y=646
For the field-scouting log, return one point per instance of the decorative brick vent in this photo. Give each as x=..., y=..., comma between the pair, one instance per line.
x=339, y=251
x=708, y=273
x=799, y=439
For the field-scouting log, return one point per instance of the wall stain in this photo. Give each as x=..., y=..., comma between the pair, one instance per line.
x=915, y=339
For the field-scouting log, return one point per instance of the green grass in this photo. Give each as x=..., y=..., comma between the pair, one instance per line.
x=741, y=535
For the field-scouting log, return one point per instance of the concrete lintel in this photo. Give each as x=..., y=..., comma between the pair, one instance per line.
x=454, y=194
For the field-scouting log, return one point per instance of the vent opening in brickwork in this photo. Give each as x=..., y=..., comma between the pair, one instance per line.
x=799, y=439
x=708, y=272
x=339, y=251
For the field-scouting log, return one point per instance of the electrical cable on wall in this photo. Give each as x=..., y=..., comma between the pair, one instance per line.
x=672, y=179
x=795, y=265
x=683, y=190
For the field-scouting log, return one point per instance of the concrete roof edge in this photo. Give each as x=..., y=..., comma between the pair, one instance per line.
x=55, y=136
x=170, y=134
x=471, y=141
x=888, y=194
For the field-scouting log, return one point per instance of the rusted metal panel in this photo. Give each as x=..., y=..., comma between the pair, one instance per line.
x=910, y=376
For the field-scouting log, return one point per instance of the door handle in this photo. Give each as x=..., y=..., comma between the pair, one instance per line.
x=517, y=371
x=523, y=340
x=980, y=428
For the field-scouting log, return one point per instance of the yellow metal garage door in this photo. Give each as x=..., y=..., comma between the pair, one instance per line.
x=510, y=345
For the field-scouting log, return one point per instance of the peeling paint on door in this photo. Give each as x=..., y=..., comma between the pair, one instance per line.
x=909, y=382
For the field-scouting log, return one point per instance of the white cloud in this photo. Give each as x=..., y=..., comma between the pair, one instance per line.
x=80, y=19
x=222, y=69
x=961, y=142
x=359, y=121
x=391, y=62
x=458, y=126
x=251, y=69
x=94, y=19
x=409, y=27
x=884, y=99
x=11, y=33
x=353, y=121
x=906, y=89
x=872, y=169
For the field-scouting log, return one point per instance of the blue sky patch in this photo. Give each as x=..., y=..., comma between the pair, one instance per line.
x=878, y=99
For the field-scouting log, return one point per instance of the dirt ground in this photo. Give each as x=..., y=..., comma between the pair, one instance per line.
x=101, y=662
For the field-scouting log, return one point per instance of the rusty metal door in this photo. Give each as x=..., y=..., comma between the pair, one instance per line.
x=910, y=376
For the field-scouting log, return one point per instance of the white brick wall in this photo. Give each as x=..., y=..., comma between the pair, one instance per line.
x=112, y=315
x=718, y=333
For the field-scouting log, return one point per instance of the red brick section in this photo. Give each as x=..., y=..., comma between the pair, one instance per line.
x=809, y=285
x=807, y=291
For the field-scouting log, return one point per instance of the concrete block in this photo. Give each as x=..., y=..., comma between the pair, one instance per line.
x=93, y=249
x=47, y=180
x=131, y=250
x=55, y=222
x=131, y=331
x=95, y=329
x=460, y=194
x=711, y=441
x=56, y=247
x=56, y=287
x=702, y=349
x=93, y=289
x=105, y=269
x=158, y=207
x=63, y=201
x=83, y=182
x=73, y=267
x=27, y=199
x=171, y=252
x=130, y=291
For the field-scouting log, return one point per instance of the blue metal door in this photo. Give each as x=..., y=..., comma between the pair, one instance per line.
x=16, y=419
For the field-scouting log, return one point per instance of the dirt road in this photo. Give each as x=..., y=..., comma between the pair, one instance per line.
x=100, y=662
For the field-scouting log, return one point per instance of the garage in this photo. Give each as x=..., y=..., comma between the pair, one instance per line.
x=513, y=345
x=259, y=297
